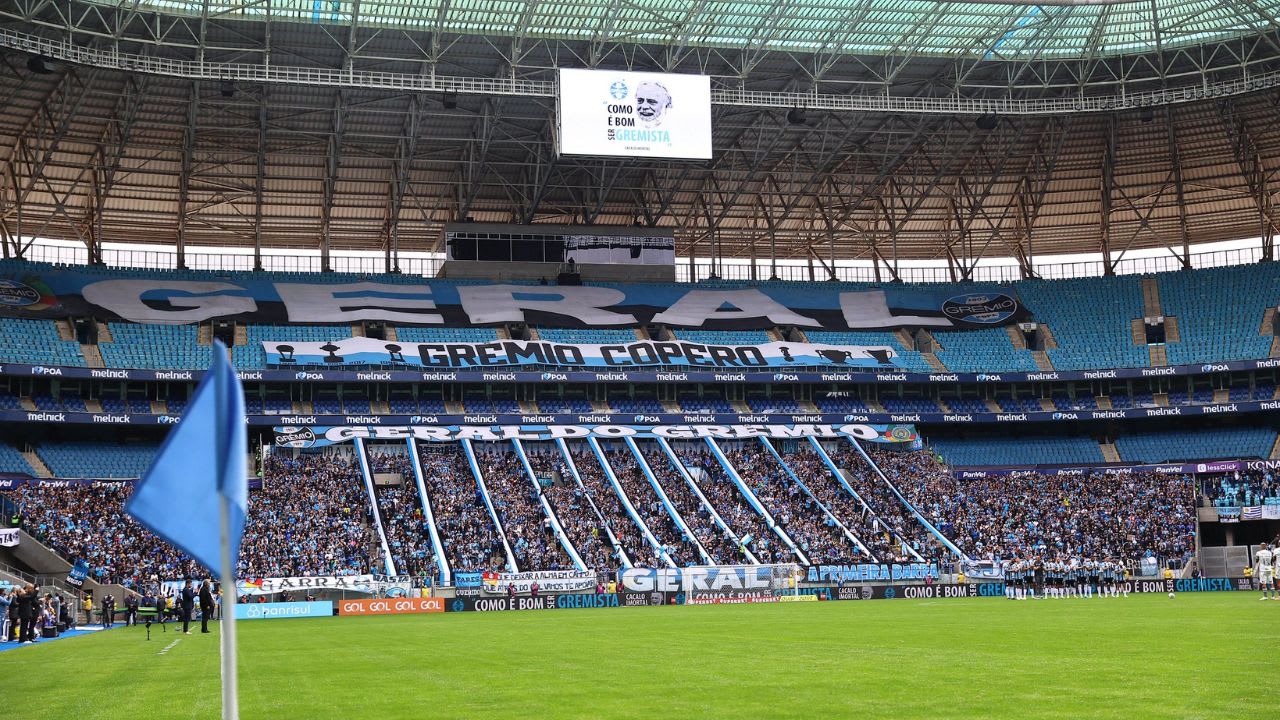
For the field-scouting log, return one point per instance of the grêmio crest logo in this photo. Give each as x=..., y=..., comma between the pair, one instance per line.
x=980, y=308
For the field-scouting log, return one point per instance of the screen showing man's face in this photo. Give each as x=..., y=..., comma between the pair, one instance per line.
x=652, y=102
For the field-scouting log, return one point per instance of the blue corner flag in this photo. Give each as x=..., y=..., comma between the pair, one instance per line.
x=199, y=470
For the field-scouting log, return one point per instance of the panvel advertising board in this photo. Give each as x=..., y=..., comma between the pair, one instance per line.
x=634, y=114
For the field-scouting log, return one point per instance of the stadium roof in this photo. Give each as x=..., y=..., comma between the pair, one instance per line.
x=1059, y=29
x=929, y=130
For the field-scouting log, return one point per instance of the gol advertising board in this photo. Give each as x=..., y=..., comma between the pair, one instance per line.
x=634, y=114
x=390, y=606
x=281, y=610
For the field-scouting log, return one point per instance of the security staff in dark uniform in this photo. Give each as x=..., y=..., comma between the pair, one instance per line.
x=188, y=601
x=206, y=606
x=26, y=602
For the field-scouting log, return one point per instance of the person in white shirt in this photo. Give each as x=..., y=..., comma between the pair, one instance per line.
x=1264, y=568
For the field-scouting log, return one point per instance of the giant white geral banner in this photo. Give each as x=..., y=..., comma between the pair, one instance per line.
x=634, y=114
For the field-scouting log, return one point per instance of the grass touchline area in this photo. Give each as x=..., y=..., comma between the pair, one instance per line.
x=1205, y=655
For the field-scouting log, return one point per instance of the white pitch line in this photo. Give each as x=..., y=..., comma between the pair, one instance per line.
x=169, y=647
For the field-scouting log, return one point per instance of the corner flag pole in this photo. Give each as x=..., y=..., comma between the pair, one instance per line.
x=227, y=628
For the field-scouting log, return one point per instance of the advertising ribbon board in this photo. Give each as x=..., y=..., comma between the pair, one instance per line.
x=390, y=606
x=282, y=610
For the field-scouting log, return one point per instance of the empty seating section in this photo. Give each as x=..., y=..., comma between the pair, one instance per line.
x=1090, y=319
x=1199, y=444
x=564, y=405
x=439, y=334
x=250, y=355
x=9, y=402
x=97, y=459
x=905, y=359
x=975, y=452
x=841, y=405
x=154, y=347
x=967, y=405
x=1023, y=404
x=36, y=342
x=1219, y=311
x=693, y=403
x=649, y=406
x=910, y=405
x=982, y=351
x=724, y=337
x=783, y=405
x=586, y=336
x=12, y=461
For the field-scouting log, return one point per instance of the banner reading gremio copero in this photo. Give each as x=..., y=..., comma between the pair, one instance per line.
x=323, y=436
x=40, y=290
x=517, y=353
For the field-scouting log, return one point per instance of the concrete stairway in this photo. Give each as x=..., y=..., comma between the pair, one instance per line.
x=1151, y=298
x=37, y=464
x=1109, y=452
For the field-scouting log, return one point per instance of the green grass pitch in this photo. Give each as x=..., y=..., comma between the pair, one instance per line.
x=1196, y=656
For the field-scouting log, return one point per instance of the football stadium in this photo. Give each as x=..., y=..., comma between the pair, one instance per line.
x=624, y=358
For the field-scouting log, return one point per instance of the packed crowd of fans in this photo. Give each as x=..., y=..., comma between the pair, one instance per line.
x=852, y=512
x=650, y=508
x=817, y=537
x=718, y=543
x=1124, y=517
x=731, y=505
x=311, y=517
x=886, y=505
x=515, y=498
x=405, y=525
x=1242, y=489
x=577, y=515
x=88, y=522
x=638, y=550
x=466, y=531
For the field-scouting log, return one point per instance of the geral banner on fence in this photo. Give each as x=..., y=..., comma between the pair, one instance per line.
x=702, y=579
x=323, y=436
x=516, y=353
x=549, y=581
x=43, y=291
x=390, y=606
x=8, y=538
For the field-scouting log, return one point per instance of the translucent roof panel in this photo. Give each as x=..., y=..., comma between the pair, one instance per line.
x=1060, y=29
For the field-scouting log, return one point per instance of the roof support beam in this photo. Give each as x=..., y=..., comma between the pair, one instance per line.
x=260, y=179
x=338, y=117
x=184, y=178
x=1179, y=190
x=1254, y=172
x=1107, y=183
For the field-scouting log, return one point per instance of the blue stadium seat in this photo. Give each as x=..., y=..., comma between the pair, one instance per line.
x=12, y=461
x=36, y=342
x=1219, y=312
x=586, y=336
x=441, y=334
x=906, y=359
x=1090, y=318
x=982, y=351
x=154, y=347
x=1199, y=444
x=97, y=459
x=1018, y=451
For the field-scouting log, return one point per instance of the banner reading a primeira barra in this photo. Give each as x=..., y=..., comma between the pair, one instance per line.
x=323, y=436
x=43, y=291
x=518, y=353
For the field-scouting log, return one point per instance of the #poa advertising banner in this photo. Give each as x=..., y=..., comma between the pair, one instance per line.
x=633, y=114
